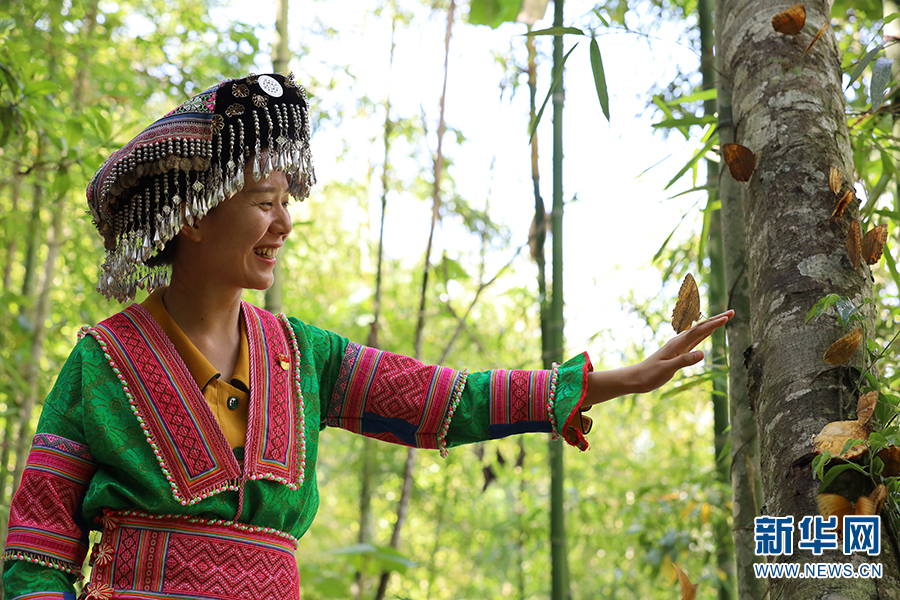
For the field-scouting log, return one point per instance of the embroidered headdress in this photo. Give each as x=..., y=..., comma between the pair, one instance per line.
x=189, y=161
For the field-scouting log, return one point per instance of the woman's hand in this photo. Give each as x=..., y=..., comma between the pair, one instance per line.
x=655, y=370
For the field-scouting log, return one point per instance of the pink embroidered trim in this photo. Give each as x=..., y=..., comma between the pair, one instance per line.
x=457, y=396
x=295, y=474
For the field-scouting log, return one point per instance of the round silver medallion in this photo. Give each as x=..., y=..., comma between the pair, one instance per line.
x=270, y=86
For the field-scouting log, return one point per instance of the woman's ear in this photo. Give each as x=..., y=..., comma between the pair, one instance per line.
x=191, y=232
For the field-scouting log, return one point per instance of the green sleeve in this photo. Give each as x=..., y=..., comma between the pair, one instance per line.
x=498, y=403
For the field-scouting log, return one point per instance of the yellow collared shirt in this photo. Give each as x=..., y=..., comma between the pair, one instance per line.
x=229, y=401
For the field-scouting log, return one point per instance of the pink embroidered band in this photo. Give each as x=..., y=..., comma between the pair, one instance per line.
x=144, y=556
x=394, y=398
x=45, y=523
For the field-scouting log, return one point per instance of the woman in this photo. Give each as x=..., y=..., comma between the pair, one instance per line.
x=186, y=428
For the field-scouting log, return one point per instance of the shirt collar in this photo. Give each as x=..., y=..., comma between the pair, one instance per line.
x=201, y=370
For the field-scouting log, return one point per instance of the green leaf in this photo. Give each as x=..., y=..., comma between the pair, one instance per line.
x=555, y=31
x=40, y=88
x=493, y=12
x=557, y=75
x=685, y=121
x=881, y=76
x=7, y=25
x=693, y=161
x=606, y=23
x=709, y=94
x=836, y=470
x=822, y=305
x=599, y=77
x=863, y=63
x=818, y=464
x=891, y=17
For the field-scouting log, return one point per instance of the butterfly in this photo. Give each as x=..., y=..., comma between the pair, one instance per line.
x=853, y=244
x=872, y=244
x=818, y=35
x=790, y=21
x=836, y=505
x=835, y=180
x=840, y=352
x=688, y=589
x=687, y=307
x=740, y=160
x=841, y=205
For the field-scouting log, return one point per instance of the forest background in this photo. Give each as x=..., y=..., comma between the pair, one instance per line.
x=79, y=78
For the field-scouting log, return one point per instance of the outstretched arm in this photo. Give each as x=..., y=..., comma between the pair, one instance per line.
x=655, y=370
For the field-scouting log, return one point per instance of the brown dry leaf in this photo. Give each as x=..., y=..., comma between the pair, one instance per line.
x=890, y=456
x=740, y=160
x=841, y=351
x=872, y=244
x=841, y=205
x=687, y=308
x=865, y=407
x=790, y=21
x=688, y=589
x=854, y=249
x=835, y=180
x=817, y=36
x=834, y=436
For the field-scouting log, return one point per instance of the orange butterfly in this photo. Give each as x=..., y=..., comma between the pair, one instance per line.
x=872, y=244
x=790, y=21
x=837, y=505
x=740, y=160
x=841, y=205
x=841, y=351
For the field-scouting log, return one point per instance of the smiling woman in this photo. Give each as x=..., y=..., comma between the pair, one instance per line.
x=186, y=428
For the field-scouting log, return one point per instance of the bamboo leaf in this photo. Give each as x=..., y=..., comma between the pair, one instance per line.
x=599, y=77
x=685, y=121
x=881, y=75
x=557, y=74
x=891, y=17
x=606, y=23
x=863, y=63
x=690, y=164
x=555, y=31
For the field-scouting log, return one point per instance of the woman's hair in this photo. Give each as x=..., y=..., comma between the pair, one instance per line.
x=166, y=256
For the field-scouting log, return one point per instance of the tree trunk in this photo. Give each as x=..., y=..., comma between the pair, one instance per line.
x=745, y=484
x=789, y=110
x=281, y=56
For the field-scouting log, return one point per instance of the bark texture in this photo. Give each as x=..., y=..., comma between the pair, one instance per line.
x=789, y=110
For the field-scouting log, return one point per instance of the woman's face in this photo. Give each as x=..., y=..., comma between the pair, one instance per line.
x=237, y=242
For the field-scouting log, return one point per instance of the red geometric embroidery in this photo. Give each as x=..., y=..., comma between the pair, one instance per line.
x=519, y=396
x=389, y=396
x=158, y=557
x=174, y=411
x=44, y=519
x=273, y=447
